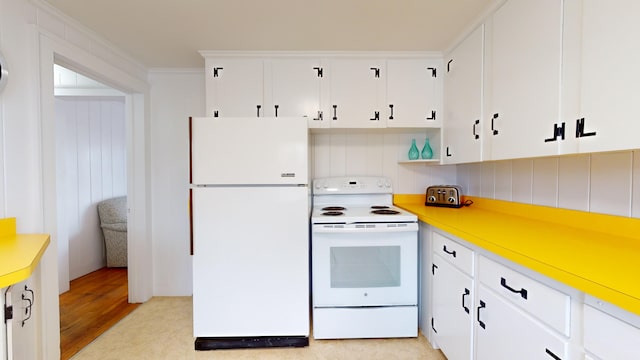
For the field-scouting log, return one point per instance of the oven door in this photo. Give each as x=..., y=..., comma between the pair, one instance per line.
x=365, y=265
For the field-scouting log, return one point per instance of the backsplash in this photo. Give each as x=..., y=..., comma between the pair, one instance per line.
x=607, y=183
x=377, y=153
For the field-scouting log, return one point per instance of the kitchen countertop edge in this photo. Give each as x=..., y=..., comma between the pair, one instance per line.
x=20, y=253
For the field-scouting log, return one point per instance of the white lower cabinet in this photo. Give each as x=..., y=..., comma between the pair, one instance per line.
x=503, y=331
x=452, y=310
x=609, y=338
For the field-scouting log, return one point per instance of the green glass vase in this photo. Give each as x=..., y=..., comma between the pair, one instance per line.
x=427, y=152
x=414, y=153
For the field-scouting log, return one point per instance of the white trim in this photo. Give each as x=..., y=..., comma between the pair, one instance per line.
x=320, y=54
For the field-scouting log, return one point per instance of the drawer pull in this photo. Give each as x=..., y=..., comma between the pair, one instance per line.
x=452, y=253
x=550, y=353
x=482, y=306
x=522, y=292
x=466, y=293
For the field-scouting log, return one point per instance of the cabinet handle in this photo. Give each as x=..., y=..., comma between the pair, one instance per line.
x=376, y=72
x=448, y=153
x=319, y=118
x=258, y=110
x=493, y=130
x=452, y=252
x=335, y=112
x=276, y=109
x=391, y=108
x=580, y=129
x=522, y=291
x=449, y=65
x=376, y=116
x=480, y=322
x=550, y=353
x=433, y=115
x=475, y=134
x=28, y=310
x=433, y=71
x=215, y=113
x=466, y=293
x=557, y=132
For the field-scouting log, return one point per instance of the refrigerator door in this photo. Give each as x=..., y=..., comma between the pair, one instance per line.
x=251, y=261
x=249, y=151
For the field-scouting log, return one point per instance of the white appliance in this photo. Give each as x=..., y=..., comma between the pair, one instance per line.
x=250, y=232
x=364, y=261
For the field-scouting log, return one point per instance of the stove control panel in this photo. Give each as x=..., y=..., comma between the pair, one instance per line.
x=352, y=185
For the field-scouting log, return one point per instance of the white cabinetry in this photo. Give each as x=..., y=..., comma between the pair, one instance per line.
x=609, y=338
x=357, y=93
x=22, y=328
x=605, y=47
x=452, y=299
x=414, y=93
x=462, y=127
x=503, y=331
x=234, y=87
x=294, y=87
x=523, y=74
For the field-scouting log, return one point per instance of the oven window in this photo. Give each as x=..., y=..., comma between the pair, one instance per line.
x=365, y=266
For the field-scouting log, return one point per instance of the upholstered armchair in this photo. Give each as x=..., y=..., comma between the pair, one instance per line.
x=113, y=221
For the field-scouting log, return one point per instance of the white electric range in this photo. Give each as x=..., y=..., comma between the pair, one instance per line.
x=364, y=260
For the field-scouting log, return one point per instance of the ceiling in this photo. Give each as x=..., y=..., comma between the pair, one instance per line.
x=169, y=33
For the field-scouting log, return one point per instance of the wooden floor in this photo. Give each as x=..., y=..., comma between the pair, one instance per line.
x=94, y=303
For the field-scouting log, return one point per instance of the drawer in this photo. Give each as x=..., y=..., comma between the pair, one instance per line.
x=458, y=255
x=550, y=306
x=609, y=338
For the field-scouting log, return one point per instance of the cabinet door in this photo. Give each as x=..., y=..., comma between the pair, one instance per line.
x=524, y=48
x=414, y=93
x=610, y=80
x=463, y=101
x=23, y=326
x=504, y=332
x=452, y=320
x=234, y=87
x=357, y=90
x=295, y=89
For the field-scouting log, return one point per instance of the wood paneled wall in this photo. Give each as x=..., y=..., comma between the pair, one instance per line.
x=91, y=167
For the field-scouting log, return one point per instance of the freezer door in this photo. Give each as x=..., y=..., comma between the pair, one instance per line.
x=251, y=262
x=249, y=151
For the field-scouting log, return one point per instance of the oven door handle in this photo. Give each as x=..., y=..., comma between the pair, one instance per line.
x=353, y=228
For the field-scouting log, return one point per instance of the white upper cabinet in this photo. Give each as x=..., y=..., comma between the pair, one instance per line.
x=357, y=93
x=295, y=88
x=234, y=87
x=602, y=42
x=462, y=126
x=523, y=74
x=414, y=93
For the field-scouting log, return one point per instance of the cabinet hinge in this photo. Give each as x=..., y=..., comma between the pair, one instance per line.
x=376, y=72
x=433, y=269
x=449, y=65
x=558, y=132
x=433, y=71
x=8, y=313
x=216, y=71
x=580, y=129
x=319, y=70
x=433, y=115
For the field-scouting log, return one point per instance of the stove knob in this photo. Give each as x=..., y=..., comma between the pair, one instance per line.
x=380, y=183
x=431, y=198
x=317, y=185
x=451, y=200
x=325, y=185
x=387, y=183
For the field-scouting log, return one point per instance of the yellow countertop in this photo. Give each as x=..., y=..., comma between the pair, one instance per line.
x=19, y=253
x=595, y=253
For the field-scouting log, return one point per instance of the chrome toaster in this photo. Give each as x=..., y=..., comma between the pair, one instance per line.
x=444, y=195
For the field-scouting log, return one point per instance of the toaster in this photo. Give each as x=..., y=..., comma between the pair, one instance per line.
x=444, y=195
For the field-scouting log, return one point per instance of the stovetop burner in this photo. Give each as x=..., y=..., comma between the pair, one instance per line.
x=379, y=207
x=385, y=212
x=333, y=208
x=332, y=213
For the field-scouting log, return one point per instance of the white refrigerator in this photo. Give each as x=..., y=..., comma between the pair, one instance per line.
x=249, y=204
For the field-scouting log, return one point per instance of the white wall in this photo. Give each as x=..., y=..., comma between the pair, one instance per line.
x=175, y=96
x=607, y=183
x=92, y=167
x=376, y=153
